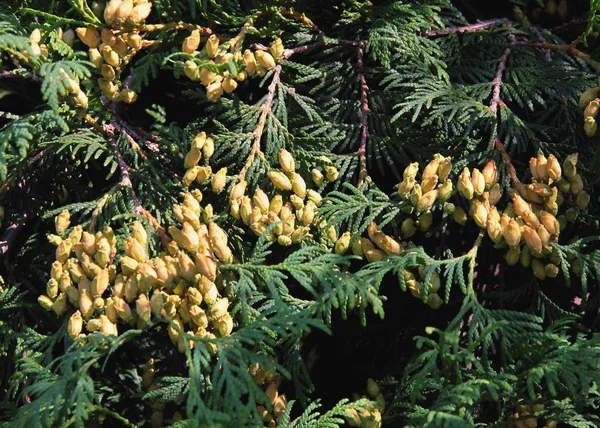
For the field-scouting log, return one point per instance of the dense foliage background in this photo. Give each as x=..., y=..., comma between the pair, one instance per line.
x=308, y=213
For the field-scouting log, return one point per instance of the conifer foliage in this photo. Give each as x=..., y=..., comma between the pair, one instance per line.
x=195, y=193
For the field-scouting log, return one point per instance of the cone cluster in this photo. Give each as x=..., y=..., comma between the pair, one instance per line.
x=36, y=48
x=525, y=416
x=204, y=65
x=526, y=228
x=590, y=103
x=111, y=49
x=176, y=287
x=367, y=417
x=73, y=91
x=270, y=383
x=293, y=207
x=202, y=146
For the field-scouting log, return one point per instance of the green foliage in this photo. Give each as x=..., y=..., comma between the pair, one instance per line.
x=361, y=90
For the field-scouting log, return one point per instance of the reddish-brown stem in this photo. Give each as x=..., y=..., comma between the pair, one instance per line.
x=364, y=112
x=156, y=226
x=258, y=131
x=497, y=82
x=467, y=28
x=506, y=159
x=110, y=131
x=571, y=50
x=10, y=74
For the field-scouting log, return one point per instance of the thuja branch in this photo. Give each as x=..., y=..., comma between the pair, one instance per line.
x=496, y=100
x=506, y=159
x=258, y=131
x=467, y=28
x=109, y=132
x=571, y=50
x=364, y=112
x=497, y=82
x=149, y=28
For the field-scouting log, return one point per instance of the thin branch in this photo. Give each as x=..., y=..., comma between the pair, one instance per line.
x=467, y=28
x=300, y=16
x=497, y=82
x=156, y=226
x=258, y=131
x=506, y=159
x=364, y=113
x=10, y=74
x=567, y=49
x=204, y=31
x=110, y=131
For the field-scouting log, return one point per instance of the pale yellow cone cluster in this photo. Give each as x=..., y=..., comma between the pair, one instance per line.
x=202, y=146
x=435, y=186
x=293, y=207
x=525, y=416
x=367, y=417
x=76, y=96
x=527, y=226
x=414, y=282
x=218, y=82
x=270, y=383
x=176, y=287
x=590, y=104
x=111, y=49
x=374, y=248
x=80, y=276
x=36, y=48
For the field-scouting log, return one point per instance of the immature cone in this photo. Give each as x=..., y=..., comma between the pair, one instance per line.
x=280, y=180
x=342, y=244
x=465, y=185
x=123, y=12
x=139, y=13
x=590, y=126
x=209, y=147
x=110, y=11
x=229, y=85
x=298, y=185
x=490, y=174
x=89, y=36
x=142, y=307
x=214, y=91
x=212, y=46
x=62, y=222
x=538, y=269
x=512, y=233
x=265, y=59
x=480, y=213
x=191, y=43
x=553, y=168
x=100, y=283
x=532, y=239
x=426, y=201
x=478, y=181
x=286, y=161
x=75, y=325
x=218, y=180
